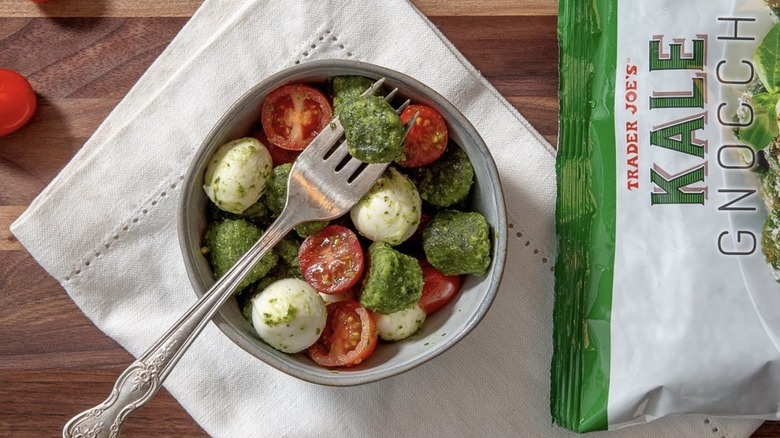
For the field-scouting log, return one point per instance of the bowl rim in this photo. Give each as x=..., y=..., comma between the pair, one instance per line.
x=333, y=67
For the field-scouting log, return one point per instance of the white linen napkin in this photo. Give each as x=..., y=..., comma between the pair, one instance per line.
x=105, y=228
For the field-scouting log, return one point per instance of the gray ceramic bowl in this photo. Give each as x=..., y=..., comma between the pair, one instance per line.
x=442, y=329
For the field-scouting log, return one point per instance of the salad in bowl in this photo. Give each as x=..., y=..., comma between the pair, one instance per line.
x=408, y=272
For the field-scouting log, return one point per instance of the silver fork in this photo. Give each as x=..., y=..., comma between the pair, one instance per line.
x=322, y=185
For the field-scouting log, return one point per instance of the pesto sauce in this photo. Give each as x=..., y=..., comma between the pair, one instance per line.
x=276, y=191
x=346, y=88
x=446, y=182
x=272, y=320
x=308, y=228
x=394, y=280
x=457, y=242
x=276, y=194
x=258, y=214
x=227, y=241
x=373, y=129
x=287, y=250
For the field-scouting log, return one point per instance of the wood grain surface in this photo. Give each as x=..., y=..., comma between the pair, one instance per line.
x=81, y=57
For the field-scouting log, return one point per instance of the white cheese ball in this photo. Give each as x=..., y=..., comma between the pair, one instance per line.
x=289, y=315
x=237, y=174
x=390, y=212
x=348, y=294
x=401, y=324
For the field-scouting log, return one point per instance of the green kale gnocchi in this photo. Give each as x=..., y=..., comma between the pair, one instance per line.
x=458, y=242
x=226, y=241
x=373, y=129
x=394, y=280
x=446, y=182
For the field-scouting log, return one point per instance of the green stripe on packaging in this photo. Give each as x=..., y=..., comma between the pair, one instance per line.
x=585, y=214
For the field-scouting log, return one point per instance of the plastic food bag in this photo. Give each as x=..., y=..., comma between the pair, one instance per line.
x=668, y=212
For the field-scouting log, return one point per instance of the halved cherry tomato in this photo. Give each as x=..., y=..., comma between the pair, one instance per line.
x=278, y=155
x=438, y=289
x=17, y=101
x=292, y=115
x=427, y=139
x=331, y=260
x=349, y=337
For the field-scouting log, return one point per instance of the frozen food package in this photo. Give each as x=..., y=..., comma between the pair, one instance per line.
x=667, y=298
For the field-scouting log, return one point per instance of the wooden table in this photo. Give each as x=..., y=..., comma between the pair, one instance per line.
x=82, y=56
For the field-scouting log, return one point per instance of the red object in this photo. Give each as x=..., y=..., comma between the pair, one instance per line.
x=427, y=139
x=349, y=338
x=438, y=289
x=331, y=260
x=292, y=115
x=17, y=101
x=278, y=155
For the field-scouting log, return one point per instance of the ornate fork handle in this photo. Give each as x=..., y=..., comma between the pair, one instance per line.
x=144, y=377
x=134, y=387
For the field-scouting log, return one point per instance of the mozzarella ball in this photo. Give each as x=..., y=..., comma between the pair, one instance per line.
x=401, y=324
x=237, y=174
x=348, y=294
x=390, y=212
x=289, y=315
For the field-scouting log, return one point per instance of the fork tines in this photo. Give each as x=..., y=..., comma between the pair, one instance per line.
x=330, y=146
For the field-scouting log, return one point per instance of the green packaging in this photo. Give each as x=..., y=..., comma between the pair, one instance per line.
x=668, y=215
